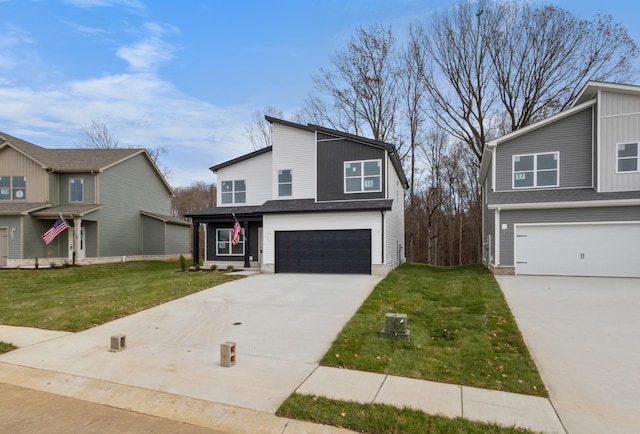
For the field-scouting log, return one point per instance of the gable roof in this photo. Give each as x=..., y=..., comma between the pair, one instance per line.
x=395, y=159
x=76, y=160
x=215, y=168
x=591, y=89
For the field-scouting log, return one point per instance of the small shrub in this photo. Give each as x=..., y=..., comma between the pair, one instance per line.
x=53, y=265
x=183, y=263
x=229, y=268
x=214, y=267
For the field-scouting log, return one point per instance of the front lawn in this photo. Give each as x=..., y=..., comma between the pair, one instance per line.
x=77, y=298
x=462, y=331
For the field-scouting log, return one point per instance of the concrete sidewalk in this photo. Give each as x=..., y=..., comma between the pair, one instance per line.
x=503, y=408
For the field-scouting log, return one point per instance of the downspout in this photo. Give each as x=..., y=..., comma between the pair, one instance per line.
x=497, y=238
x=196, y=245
x=382, y=261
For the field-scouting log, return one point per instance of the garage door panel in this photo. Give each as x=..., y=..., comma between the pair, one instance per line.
x=578, y=249
x=324, y=251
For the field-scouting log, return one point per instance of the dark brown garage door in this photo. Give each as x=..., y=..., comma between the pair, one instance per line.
x=338, y=251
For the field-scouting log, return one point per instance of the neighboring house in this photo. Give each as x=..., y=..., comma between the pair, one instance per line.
x=316, y=201
x=115, y=200
x=562, y=196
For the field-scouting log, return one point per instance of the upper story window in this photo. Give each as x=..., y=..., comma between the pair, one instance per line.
x=285, y=183
x=536, y=170
x=627, y=157
x=234, y=191
x=76, y=190
x=13, y=187
x=362, y=176
x=224, y=246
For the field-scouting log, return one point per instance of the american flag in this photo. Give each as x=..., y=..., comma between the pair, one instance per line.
x=58, y=227
x=235, y=238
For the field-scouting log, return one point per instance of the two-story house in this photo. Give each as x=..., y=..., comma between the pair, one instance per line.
x=316, y=201
x=562, y=196
x=116, y=201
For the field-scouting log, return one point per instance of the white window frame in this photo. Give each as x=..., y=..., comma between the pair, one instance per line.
x=362, y=176
x=229, y=251
x=636, y=157
x=233, y=191
x=535, y=170
x=280, y=172
x=71, y=181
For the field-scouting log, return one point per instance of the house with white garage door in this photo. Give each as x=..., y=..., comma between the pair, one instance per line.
x=562, y=196
x=316, y=201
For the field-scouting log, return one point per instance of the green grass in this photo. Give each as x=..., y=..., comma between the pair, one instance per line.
x=77, y=298
x=381, y=419
x=6, y=347
x=462, y=331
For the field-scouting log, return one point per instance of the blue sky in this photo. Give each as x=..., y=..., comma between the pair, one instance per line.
x=185, y=74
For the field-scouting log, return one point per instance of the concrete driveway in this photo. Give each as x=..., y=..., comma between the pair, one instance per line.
x=282, y=325
x=584, y=334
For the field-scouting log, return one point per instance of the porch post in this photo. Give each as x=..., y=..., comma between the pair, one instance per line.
x=247, y=264
x=196, y=243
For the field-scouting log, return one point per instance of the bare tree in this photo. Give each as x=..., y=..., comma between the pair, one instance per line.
x=541, y=65
x=519, y=62
x=362, y=86
x=98, y=136
x=198, y=195
x=259, y=131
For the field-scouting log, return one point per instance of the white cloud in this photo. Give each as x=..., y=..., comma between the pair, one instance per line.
x=131, y=4
x=147, y=55
x=140, y=110
x=83, y=29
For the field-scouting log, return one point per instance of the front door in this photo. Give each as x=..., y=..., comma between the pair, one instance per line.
x=4, y=247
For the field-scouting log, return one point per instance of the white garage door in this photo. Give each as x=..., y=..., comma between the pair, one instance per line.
x=606, y=249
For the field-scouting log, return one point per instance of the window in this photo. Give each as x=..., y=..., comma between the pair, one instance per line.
x=224, y=245
x=234, y=191
x=285, y=183
x=535, y=170
x=13, y=187
x=627, y=157
x=76, y=190
x=362, y=176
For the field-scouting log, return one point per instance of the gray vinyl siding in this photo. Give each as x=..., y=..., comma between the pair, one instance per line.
x=578, y=215
x=570, y=136
x=91, y=238
x=125, y=190
x=332, y=154
x=178, y=239
x=152, y=236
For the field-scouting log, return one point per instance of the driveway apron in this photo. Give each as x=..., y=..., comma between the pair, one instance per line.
x=583, y=334
x=282, y=325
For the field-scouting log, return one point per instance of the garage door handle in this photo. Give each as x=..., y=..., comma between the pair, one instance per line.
x=521, y=236
x=521, y=262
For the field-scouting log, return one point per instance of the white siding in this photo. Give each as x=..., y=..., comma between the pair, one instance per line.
x=394, y=219
x=619, y=123
x=321, y=221
x=256, y=172
x=295, y=149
